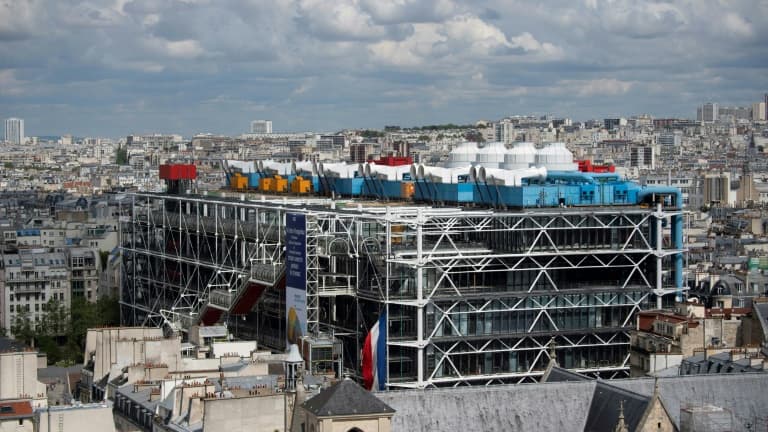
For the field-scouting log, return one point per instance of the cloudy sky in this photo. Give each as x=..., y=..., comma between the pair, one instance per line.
x=113, y=67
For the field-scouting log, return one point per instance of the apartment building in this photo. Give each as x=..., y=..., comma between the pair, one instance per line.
x=85, y=265
x=29, y=279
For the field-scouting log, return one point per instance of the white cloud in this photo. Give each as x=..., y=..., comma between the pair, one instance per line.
x=150, y=20
x=493, y=55
x=409, y=11
x=472, y=33
x=596, y=87
x=737, y=26
x=462, y=38
x=641, y=19
x=527, y=42
x=182, y=49
x=412, y=51
x=303, y=88
x=18, y=18
x=342, y=20
x=91, y=15
x=9, y=85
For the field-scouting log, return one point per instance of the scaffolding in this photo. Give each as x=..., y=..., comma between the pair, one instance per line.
x=473, y=296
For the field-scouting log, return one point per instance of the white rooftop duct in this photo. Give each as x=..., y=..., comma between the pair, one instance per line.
x=304, y=168
x=339, y=170
x=442, y=175
x=271, y=167
x=414, y=169
x=244, y=167
x=386, y=172
x=474, y=174
x=509, y=177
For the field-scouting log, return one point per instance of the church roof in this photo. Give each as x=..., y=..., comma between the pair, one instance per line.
x=603, y=413
x=346, y=398
x=564, y=405
x=555, y=373
x=604, y=409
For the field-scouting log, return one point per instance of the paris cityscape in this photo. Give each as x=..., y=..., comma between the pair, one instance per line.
x=383, y=216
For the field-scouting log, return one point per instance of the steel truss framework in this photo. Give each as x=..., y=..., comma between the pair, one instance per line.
x=473, y=297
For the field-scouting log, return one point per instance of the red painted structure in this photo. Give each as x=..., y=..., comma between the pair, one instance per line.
x=587, y=166
x=243, y=303
x=178, y=172
x=393, y=160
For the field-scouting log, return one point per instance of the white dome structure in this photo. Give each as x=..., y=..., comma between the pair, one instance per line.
x=462, y=155
x=556, y=157
x=521, y=156
x=492, y=155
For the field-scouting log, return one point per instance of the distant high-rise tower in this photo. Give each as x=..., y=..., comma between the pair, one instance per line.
x=758, y=111
x=710, y=112
x=261, y=127
x=642, y=157
x=14, y=130
x=504, y=131
x=765, y=103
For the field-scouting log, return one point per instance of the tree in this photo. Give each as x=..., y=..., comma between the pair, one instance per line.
x=108, y=311
x=371, y=134
x=61, y=333
x=474, y=136
x=22, y=327
x=82, y=317
x=121, y=156
x=104, y=257
x=55, y=319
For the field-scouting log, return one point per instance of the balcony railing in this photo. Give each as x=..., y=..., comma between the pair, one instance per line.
x=267, y=273
x=221, y=298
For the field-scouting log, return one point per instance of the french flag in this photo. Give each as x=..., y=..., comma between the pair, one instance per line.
x=375, y=356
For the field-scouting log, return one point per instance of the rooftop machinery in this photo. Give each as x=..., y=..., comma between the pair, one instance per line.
x=543, y=185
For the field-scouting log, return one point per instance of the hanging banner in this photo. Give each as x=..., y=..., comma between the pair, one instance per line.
x=295, y=277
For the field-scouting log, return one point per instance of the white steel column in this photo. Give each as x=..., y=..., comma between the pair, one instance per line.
x=659, y=252
x=420, y=299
